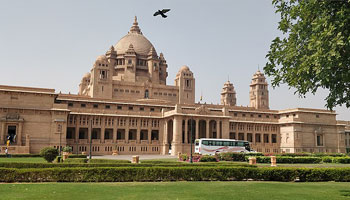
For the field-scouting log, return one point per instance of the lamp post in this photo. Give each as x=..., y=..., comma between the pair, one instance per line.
x=90, y=139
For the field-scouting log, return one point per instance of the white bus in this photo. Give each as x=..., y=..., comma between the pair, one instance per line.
x=210, y=146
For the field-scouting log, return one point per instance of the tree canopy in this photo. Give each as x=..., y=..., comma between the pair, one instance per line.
x=314, y=51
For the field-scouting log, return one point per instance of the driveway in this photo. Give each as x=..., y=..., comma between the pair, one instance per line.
x=129, y=157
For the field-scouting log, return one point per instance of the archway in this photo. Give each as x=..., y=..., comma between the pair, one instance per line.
x=202, y=129
x=191, y=124
x=213, y=127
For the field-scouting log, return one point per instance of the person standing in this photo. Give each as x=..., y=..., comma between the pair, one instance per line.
x=7, y=152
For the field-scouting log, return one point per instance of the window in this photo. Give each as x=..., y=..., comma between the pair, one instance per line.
x=83, y=105
x=142, y=108
x=119, y=107
x=319, y=140
x=258, y=138
x=232, y=135
x=241, y=136
x=95, y=105
x=266, y=138
x=250, y=137
x=70, y=104
x=107, y=106
x=146, y=94
x=131, y=108
x=317, y=116
x=152, y=109
x=259, y=116
x=274, y=138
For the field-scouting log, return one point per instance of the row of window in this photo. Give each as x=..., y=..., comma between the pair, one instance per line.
x=164, y=94
x=254, y=115
x=258, y=137
x=127, y=91
x=251, y=127
x=119, y=107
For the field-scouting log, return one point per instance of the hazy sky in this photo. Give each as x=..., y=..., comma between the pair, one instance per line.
x=52, y=44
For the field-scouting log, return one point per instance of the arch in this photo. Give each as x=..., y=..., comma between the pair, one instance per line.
x=191, y=124
x=213, y=127
x=202, y=128
x=146, y=94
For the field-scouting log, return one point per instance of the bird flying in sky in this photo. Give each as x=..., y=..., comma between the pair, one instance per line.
x=162, y=13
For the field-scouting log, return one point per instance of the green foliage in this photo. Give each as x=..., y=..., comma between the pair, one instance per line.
x=76, y=160
x=184, y=157
x=76, y=156
x=126, y=174
x=108, y=161
x=229, y=156
x=207, y=158
x=21, y=155
x=49, y=153
x=314, y=50
x=58, y=159
x=67, y=149
x=291, y=160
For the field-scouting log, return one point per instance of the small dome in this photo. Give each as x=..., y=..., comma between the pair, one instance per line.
x=101, y=58
x=87, y=75
x=184, y=68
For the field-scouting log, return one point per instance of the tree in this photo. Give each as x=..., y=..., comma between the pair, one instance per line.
x=49, y=153
x=314, y=51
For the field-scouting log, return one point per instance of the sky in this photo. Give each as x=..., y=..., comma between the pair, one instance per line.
x=52, y=44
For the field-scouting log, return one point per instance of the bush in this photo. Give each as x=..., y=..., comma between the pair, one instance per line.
x=76, y=160
x=20, y=155
x=49, y=153
x=58, y=159
x=123, y=174
x=230, y=156
x=108, y=161
x=76, y=156
x=291, y=160
x=67, y=149
x=294, y=154
x=207, y=158
x=343, y=160
x=184, y=157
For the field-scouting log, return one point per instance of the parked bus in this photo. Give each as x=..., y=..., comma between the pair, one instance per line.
x=210, y=146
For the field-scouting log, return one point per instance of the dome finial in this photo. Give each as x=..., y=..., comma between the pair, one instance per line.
x=135, y=27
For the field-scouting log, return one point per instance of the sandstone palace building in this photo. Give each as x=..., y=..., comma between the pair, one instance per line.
x=125, y=104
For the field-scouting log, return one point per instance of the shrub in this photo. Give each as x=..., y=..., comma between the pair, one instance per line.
x=184, y=157
x=344, y=160
x=76, y=156
x=207, y=158
x=230, y=156
x=108, y=161
x=328, y=154
x=327, y=159
x=67, y=149
x=123, y=174
x=21, y=155
x=58, y=159
x=76, y=160
x=294, y=154
x=291, y=160
x=49, y=153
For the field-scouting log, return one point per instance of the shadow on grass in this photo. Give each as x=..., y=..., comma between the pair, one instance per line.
x=345, y=193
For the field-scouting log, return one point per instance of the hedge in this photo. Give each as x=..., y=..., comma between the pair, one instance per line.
x=76, y=160
x=291, y=160
x=20, y=155
x=76, y=156
x=89, y=165
x=343, y=160
x=124, y=174
x=231, y=156
x=108, y=161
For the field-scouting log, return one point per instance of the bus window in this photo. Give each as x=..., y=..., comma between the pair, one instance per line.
x=226, y=143
x=205, y=142
x=240, y=144
x=210, y=142
x=218, y=143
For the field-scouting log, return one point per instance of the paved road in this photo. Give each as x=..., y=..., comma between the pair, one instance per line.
x=129, y=157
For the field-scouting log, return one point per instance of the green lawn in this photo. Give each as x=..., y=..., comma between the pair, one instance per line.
x=177, y=190
x=25, y=159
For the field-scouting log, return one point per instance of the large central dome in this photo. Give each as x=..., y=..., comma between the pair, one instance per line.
x=140, y=43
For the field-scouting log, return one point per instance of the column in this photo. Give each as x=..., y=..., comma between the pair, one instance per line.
x=127, y=131
x=19, y=137
x=138, y=131
x=186, y=131
x=2, y=133
x=103, y=129
x=115, y=130
x=77, y=126
x=197, y=129
x=177, y=133
x=207, y=128
x=149, y=135
x=89, y=128
x=225, y=129
x=165, y=138
x=218, y=129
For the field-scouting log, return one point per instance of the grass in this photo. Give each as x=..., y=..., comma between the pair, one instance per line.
x=177, y=190
x=25, y=159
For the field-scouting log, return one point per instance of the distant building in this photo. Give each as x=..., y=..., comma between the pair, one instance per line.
x=125, y=104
